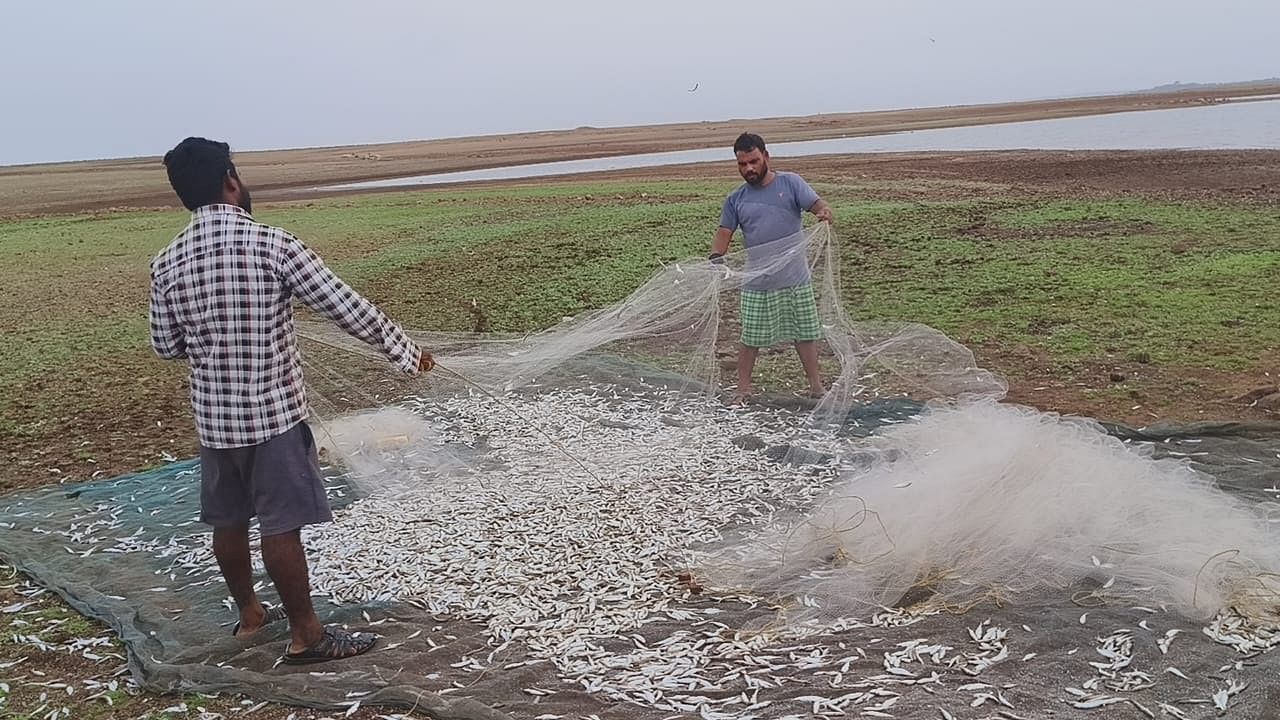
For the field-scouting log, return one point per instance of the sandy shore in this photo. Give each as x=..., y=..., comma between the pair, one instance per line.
x=141, y=182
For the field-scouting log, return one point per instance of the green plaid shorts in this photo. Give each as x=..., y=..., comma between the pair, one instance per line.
x=770, y=317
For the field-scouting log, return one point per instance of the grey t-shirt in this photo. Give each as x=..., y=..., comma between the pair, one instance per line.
x=768, y=214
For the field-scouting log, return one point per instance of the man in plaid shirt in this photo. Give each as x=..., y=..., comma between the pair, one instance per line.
x=222, y=297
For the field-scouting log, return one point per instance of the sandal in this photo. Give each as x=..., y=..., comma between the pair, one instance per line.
x=274, y=614
x=335, y=644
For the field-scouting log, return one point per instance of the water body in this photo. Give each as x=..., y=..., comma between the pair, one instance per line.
x=1232, y=126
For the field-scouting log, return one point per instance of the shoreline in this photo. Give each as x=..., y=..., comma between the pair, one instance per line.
x=62, y=188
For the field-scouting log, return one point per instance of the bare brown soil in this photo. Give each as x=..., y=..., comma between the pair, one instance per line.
x=1248, y=175
x=140, y=182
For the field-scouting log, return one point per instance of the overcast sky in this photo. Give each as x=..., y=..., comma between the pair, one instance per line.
x=90, y=78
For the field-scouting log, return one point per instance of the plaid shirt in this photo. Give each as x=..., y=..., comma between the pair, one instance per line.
x=222, y=297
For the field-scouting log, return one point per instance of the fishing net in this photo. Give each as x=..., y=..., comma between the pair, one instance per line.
x=580, y=522
x=1041, y=504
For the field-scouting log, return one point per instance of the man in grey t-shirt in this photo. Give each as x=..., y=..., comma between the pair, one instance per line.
x=777, y=305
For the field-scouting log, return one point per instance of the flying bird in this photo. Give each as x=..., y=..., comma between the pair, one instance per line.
x=694, y=88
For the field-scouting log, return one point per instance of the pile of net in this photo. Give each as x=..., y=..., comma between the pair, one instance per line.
x=584, y=522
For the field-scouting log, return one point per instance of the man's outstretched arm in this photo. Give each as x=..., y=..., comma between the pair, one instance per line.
x=320, y=289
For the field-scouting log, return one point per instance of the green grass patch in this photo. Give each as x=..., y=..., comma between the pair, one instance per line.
x=1183, y=284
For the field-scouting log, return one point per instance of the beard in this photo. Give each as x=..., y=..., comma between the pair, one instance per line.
x=754, y=179
x=246, y=202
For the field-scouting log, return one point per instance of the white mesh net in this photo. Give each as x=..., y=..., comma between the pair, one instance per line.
x=970, y=500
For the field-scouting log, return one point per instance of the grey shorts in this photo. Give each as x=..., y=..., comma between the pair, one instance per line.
x=278, y=481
